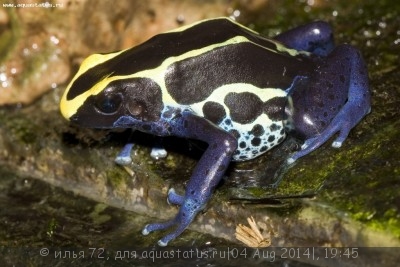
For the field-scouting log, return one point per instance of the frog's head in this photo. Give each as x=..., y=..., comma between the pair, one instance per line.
x=111, y=99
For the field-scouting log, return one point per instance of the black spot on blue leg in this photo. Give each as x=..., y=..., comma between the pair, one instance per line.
x=146, y=128
x=221, y=168
x=329, y=84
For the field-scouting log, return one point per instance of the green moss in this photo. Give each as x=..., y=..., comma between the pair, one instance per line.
x=98, y=215
x=51, y=228
x=391, y=226
x=368, y=194
x=22, y=130
x=117, y=177
x=256, y=192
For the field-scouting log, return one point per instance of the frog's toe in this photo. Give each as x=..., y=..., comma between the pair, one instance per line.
x=158, y=153
x=123, y=160
x=337, y=144
x=166, y=239
x=290, y=160
x=307, y=148
x=309, y=142
x=186, y=214
x=124, y=156
x=157, y=226
x=174, y=198
x=344, y=132
x=162, y=243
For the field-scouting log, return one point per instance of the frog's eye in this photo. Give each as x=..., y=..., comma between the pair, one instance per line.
x=108, y=103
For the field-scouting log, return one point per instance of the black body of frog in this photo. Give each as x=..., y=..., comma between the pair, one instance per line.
x=219, y=82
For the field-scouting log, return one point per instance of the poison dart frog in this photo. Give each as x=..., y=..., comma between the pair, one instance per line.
x=222, y=83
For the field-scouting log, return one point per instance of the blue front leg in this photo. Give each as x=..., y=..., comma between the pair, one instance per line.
x=206, y=175
x=334, y=102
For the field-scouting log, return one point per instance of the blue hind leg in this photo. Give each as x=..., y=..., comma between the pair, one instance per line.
x=315, y=37
x=357, y=105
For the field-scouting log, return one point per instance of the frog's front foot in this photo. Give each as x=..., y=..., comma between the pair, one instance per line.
x=187, y=212
x=124, y=157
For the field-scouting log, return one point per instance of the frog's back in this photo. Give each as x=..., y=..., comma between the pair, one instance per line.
x=199, y=42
